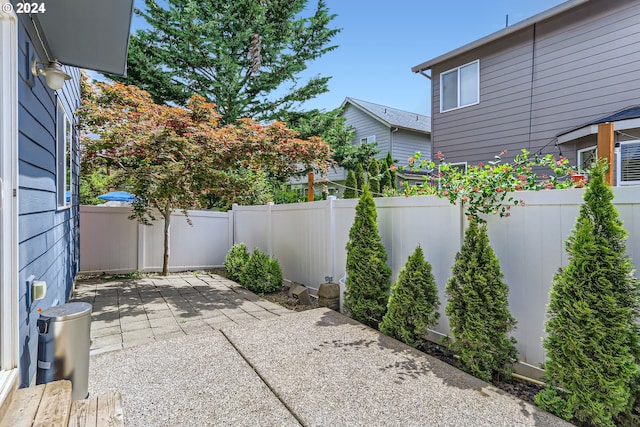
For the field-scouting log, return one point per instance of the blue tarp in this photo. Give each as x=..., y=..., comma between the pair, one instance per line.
x=118, y=196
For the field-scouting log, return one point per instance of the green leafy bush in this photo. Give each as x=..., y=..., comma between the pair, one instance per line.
x=592, y=344
x=261, y=274
x=478, y=309
x=235, y=261
x=413, y=304
x=368, y=276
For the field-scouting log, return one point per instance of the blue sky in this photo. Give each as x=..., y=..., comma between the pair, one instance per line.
x=382, y=39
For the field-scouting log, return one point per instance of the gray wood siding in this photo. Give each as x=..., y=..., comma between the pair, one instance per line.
x=585, y=65
x=405, y=144
x=366, y=126
x=48, y=236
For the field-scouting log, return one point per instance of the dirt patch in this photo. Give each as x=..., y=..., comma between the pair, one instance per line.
x=521, y=389
x=282, y=297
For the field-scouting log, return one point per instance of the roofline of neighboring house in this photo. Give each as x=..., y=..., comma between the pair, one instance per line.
x=563, y=7
x=354, y=102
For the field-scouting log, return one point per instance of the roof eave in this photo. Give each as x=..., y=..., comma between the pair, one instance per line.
x=563, y=7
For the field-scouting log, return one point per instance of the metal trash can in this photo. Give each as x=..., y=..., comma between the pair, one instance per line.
x=64, y=334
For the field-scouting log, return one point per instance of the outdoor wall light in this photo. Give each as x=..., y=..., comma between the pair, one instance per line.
x=52, y=73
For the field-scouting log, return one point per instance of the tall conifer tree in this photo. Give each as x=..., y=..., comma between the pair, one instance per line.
x=593, y=337
x=368, y=276
x=246, y=56
x=478, y=308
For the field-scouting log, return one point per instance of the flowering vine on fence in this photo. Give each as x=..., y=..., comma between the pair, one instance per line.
x=487, y=188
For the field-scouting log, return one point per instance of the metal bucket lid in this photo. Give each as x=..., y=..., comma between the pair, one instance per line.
x=70, y=310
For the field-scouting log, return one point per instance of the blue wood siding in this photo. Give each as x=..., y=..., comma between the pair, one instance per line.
x=48, y=236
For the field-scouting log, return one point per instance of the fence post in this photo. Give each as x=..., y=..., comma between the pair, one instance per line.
x=270, y=229
x=231, y=225
x=140, y=243
x=332, y=236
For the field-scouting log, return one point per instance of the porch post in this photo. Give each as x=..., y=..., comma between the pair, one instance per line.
x=310, y=187
x=605, y=148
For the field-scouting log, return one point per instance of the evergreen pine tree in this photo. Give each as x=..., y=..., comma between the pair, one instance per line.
x=390, y=162
x=413, y=304
x=592, y=344
x=360, y=178
x=374, y=180
x=368, y=276
x=387, y=181
x=246, y=56
x=351, y=190
x=478, y=309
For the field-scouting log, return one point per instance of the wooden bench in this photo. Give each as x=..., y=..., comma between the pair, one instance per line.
x=50, y=405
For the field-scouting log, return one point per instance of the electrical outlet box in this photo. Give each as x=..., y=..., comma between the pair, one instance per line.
x=38, y=290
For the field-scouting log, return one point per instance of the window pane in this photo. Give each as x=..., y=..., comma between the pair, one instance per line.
x=586, y=158
x=469, y=84
x=449, y=90
x=630, y=162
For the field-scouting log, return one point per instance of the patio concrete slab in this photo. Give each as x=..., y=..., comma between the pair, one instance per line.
x=195, y=380
x=331, y=370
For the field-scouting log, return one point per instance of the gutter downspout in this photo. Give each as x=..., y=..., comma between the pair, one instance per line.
x=393, y=130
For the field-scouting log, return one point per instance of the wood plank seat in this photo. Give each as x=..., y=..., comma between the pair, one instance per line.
x=50, y=405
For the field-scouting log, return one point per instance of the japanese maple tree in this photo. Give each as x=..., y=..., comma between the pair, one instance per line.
x=169, y=157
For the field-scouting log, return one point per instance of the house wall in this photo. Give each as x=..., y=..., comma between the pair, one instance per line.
x=405, y=143
x=366, y=126
x=48, y=236
x=543, y=80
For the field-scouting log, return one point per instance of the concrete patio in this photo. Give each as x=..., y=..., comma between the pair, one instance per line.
x=197, y=350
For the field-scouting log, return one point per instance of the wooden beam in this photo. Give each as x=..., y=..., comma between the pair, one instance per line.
x=605, y=148
x=310, y=187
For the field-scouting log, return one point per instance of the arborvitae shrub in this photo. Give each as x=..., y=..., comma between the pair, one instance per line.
x=390, y=162
x=413, y=304
x=351, y=190
x=374, y=180
x=387, y=181
x=368, y=276
x=360, y=178
x=235, y=261
x=478, y=309
x=261, y=274
x=592, y=343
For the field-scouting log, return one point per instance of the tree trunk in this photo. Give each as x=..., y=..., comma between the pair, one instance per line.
x=167, y=223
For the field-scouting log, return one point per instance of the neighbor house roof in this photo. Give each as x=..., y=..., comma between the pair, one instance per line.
x=392, y=117
x=627, y=118
x=499, y=34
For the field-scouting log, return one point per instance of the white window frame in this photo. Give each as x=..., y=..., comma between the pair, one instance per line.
x=581, y=153
x=9, y=346
x=64, y=143
x=368, y=139
x=619, y=164
x=457, y=70
x=465, y=164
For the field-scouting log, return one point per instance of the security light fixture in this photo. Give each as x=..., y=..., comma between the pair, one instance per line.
x=53, y=73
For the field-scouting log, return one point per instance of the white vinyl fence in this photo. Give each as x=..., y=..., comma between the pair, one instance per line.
x=112, y=243
x=309, y=240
